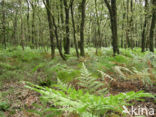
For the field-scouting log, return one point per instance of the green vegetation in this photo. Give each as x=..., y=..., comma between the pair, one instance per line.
x=69, y=100
x=77, y=58
x=77, y=86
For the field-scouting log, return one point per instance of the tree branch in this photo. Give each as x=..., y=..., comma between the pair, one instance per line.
x=108, y=5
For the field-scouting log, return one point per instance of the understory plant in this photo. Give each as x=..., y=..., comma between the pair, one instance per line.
x=64, y=99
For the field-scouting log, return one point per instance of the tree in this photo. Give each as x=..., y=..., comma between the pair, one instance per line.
x=52, y=45
x=144, y=27
x=74, y=30
x=14, y=33
x=113, y=18
x=83, y=8
x=33, y=5
x=28, y=18
x=151, y=36
x=3, y=23
x=67, y=40
x=55, y=28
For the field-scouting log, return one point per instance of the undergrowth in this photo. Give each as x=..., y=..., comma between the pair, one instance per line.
x=68, y=100
x=85, y=84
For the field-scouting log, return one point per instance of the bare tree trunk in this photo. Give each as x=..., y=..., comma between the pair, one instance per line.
x=98, y=39
x=55, y=31
x=113, y=17
x=14, y=35
x=33, y=24
x=83, y=7
x=151, y=47
x=22, y=26
x=3, y=23
x=127, y=30
x=144, y=28
x=57, y=39
x=131, y=25
x=74, y=31
x=62, y=22
x=50, y=29
x=28, y=17
x=67, y=40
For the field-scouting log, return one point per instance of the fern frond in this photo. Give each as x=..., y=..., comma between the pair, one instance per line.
x=85, y=104
x=90, y=83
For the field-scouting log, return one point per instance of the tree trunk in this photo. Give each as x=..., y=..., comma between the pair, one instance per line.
x=83, y=7
x=67, y=40
x=33, y=24
x=3, y=23
x=131, y=25
x=57, y=39
x=55, y=31
x=74, y=30
x=98, y=39
x=151, y=47
x=144, y=28
x=28, y=17
x=113, y=17
x=14, y=35
x=50, y=29
x=127, y=30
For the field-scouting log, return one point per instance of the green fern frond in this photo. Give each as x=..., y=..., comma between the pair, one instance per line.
x=90, y=83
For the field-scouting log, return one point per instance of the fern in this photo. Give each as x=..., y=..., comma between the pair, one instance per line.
x=120, y=70
x=90, y=83
x=69, y=100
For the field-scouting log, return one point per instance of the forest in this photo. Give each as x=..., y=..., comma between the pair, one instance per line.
x=77, y=58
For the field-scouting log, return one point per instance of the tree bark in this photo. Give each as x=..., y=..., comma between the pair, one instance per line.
x=52, y=45
x=22, y=26
x=127, y=30
x=151, y=47
x=67, y=40
x=74, y=30
x=144, y=28
x=83, y=7
x=55, y=31
x=28, y=17
x=14, y=35
x=3, y=23
x=33, y=24
x=113, y=18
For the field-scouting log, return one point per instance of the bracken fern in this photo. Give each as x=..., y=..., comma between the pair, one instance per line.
x=68, y=100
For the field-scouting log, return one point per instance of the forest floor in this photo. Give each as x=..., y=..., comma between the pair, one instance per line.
x=131, y=71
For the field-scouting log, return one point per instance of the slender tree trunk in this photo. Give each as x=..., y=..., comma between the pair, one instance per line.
x=74, y=30
x=22, y=26
x=83, y=7
x=67, y=40
x=98, y=39
x=33, y=24
x=123, y=26
x=28, y=17
x=14, y=35
x=114, y=27
x=113, y=18
x=57, y=39
x=151, y=47
x=52, y=45
x=55, y=31
x=33, y=27
x=144, y=28
x=62, y=22
x=131, y=25
x=127, y=30
x=3, y=23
